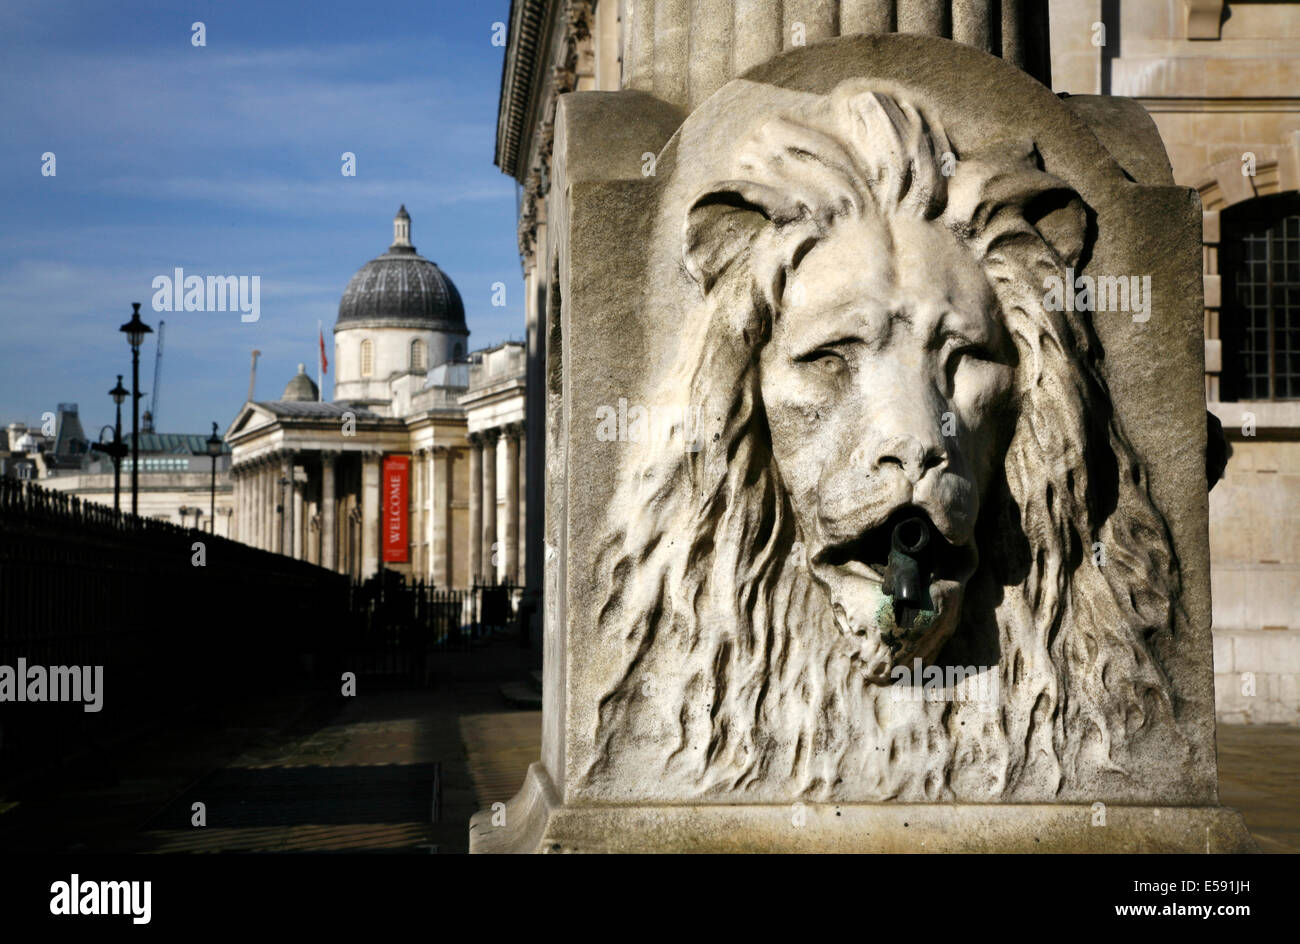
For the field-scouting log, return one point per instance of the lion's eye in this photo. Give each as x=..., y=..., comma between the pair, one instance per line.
x=823, y=359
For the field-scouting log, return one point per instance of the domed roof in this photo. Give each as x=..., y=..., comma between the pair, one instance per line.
x=401, y=288
x=301, y=387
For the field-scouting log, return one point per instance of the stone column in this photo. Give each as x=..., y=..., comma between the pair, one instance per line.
x=255, y=505
x=237, y=485
x=250, y=502
x=442, y=492
x=511, y=556
x=431, y=483
x=683, y=52
x=284, y=501
x=414, y=555
x=244, y=495
x=475, y=506
x=488, y=568
x=328, y=512
x=370, y=475
x=525, y=509
x=268, y=505
x=298, y=523
x=264, y=503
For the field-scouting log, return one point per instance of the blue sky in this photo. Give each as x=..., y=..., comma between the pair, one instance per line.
x=225, y=160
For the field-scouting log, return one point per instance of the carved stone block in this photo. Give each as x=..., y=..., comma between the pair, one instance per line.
x=877, y=511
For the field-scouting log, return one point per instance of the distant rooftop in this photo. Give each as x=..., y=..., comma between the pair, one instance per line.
x=174, y=444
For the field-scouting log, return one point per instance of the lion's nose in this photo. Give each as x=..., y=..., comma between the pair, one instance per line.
x=912, y=456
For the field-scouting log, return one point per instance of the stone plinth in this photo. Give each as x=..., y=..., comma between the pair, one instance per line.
x=825, y=420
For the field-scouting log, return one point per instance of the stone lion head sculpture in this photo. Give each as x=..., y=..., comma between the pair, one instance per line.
x=871, y=362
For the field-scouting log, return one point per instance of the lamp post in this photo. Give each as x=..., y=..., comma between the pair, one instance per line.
x=214, y=450
x=116, y=449
x=135, y=330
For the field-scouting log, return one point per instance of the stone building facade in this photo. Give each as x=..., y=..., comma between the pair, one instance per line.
x=1222, y=83
x=414, y=465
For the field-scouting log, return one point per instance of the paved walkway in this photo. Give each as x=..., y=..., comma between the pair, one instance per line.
x=1259, y=774
x=393, y=772
x=402, y=771
x=345, y=803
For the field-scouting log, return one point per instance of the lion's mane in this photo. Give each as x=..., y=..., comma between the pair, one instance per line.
x=734, y=682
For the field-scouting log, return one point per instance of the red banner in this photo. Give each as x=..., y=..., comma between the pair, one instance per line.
x=394, y=484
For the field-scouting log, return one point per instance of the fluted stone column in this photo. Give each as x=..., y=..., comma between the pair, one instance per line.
x=431, y=482
x=283, y=538
x=329, y=513
x=511, y=556
x=526, y=510
x=489, y=568
x=250, y=502
x=245, y=496
x=475, y=506
x=263, y=500
x=255, y=505
x=683, y=51
x=269, y=516
x=370, y=485
x=414, y=489
x=237, y=481
x=297, y=523
x=442, y=494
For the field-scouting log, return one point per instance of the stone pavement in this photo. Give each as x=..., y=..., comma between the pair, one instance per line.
x=1259, y=774
x=402, y=771
x=394, y=771
x=386, y=744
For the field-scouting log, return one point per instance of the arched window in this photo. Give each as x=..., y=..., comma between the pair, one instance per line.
x=1259, y=323
x=458, y=351
x=417, y=355
x=367, y=358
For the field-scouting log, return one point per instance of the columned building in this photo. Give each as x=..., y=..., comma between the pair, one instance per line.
x=414, y=466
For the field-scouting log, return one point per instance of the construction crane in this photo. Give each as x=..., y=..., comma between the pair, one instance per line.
x=157, y=379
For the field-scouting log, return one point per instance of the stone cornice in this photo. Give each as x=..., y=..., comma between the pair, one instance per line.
x=537, y=135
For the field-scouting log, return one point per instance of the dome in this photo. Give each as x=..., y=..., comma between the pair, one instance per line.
x=301, y=387
x=402, y=289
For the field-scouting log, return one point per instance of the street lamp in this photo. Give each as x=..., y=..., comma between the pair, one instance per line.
x=214, y=450
x=135, y=330
x=116, y=449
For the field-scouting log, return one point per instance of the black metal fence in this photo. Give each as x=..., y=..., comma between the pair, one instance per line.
x=394, y=627
x=172, y=615
x=176, y=616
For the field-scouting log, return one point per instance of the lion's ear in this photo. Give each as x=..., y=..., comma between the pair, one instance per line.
x=1006, y=183
x=1061, y=219
x=724, y=222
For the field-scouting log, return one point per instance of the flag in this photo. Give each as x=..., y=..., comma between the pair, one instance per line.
x=324, y=363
